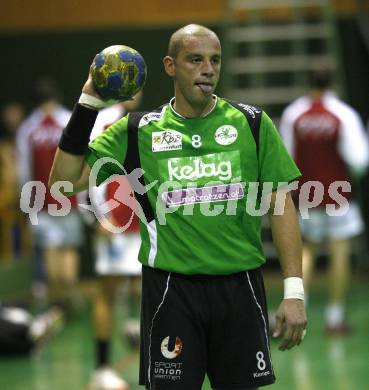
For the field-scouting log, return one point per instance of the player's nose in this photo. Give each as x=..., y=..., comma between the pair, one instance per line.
x=207, y=68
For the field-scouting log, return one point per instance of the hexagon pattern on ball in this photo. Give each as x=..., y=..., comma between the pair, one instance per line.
x=118, y=72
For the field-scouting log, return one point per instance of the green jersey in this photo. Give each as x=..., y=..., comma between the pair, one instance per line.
x=199, y=174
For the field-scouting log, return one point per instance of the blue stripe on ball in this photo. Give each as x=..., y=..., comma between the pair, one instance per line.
x=141, y=77
x=114, y=81
x=107, y=93
x=99, y=60
x=126, y=56
x=140, y=63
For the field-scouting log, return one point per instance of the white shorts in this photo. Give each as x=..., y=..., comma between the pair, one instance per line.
x=118, y=255
x=321, y=226
x=58, y=231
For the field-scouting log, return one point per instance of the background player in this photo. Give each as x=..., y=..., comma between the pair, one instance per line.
x=116, y=262
x=328, y=141
x=11, y=116
x=58, y=237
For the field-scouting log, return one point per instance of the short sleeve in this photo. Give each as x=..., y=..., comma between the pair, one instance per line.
x=275, y=163
x=111, y=144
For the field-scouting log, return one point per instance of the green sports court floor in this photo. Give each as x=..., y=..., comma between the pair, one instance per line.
x=320, y=363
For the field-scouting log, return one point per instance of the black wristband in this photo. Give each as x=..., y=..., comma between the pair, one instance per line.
x=76, y=135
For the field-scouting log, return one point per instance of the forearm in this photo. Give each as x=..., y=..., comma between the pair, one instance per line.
x=71, y=168
x=69, y=162
x=287, y=239
x=291, y=311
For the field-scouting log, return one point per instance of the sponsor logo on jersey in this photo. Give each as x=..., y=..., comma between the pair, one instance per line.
x=208, y=178
x=317, y=126
x=199, y=169
x=207, y=194
x=47, y=135
x=163, y=141
x=218, y=166
x=250, y=109
x=226, y=135
x=151, y=116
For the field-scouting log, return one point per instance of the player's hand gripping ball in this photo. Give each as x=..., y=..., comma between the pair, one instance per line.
x=118, y=72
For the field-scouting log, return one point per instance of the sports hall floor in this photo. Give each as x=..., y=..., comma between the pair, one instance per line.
x=320, y=363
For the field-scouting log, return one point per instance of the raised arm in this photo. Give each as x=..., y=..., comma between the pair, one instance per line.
x=287, y=240
x=69, y=162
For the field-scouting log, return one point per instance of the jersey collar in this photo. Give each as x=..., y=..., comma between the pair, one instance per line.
x=171, y=104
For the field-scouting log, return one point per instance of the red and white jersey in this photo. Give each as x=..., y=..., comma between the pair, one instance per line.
x=124, y=215
x=326, y=137
x=37, y=141
x=105, y=118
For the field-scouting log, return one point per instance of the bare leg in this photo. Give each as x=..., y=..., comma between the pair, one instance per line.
x=52, y=260
x=51, y=255
x=103, y=315
x=308, y=262
x=339, y=270
x=104, y=306
x=131, y=327
x=339, y=277
x=62, y=268
x=69, y=266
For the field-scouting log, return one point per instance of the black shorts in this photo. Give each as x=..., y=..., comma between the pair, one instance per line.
x=192, y=325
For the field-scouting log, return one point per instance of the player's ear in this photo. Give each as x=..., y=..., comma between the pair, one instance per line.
x=168, y=62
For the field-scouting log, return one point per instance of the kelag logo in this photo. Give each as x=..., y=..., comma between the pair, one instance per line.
x=200, y=169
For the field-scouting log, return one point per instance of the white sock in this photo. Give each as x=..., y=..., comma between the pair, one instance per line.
x=334, y=314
